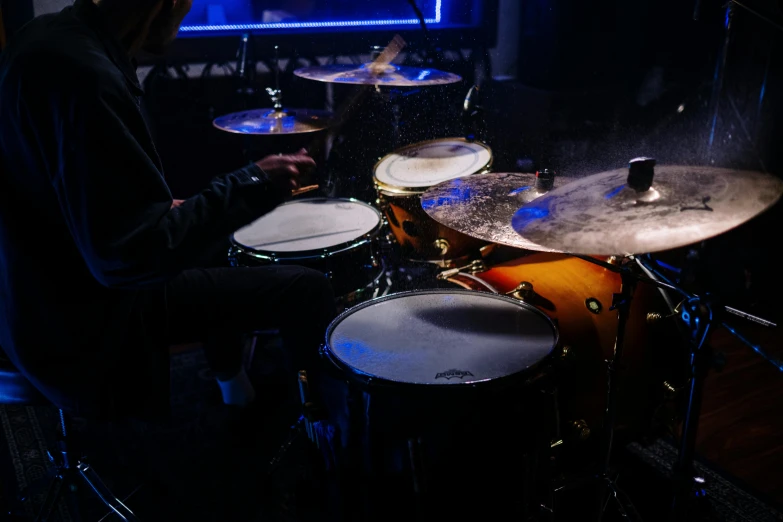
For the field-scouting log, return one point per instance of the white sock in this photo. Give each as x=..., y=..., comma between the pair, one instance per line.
x=238, y=390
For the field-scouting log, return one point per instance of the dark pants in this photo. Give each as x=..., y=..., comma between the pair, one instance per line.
x=221, y=306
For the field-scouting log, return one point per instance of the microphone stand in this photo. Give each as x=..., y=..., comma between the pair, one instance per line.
x=433, y=56
x=246, y=71
x=473, y=115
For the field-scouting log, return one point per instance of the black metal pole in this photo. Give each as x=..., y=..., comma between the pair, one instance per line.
x=698, y=317
x=622, y=303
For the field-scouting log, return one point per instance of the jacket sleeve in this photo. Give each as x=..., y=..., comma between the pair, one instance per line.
x=117, y=204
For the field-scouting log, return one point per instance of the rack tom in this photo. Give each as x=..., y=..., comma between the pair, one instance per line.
x=401, y=178
x=338, y=237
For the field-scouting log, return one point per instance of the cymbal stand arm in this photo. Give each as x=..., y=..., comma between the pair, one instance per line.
x=777, y=363
x=663, y=281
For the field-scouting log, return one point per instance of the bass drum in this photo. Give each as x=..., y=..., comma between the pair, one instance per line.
x=577, y=295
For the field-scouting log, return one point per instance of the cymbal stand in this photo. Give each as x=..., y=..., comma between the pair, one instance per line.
x=607, y=486
x=608, y=489
x=697, y=314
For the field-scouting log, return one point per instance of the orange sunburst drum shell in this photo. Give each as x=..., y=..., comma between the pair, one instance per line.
x=400, y=179
x=563, y=287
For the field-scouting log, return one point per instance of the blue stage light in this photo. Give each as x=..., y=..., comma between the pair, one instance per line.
x=435, y=17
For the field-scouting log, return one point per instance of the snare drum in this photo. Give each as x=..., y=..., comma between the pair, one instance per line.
x=435, y=405
x=402, y=176
x=335, y=236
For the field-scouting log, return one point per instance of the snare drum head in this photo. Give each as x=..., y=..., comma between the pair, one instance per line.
x=309, y=224
x=440, y=337
x=428, y=163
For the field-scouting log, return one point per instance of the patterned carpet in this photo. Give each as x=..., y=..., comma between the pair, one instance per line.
x=190, y=470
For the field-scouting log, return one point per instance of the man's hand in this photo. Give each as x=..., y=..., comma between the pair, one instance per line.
x=285, y=170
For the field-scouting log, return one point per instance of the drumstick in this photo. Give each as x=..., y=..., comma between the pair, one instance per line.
x=391, y=51
x=386, y=56
x=302, y=190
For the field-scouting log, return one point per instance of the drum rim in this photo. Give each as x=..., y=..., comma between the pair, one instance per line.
x=399, y=190
x=292, y=255
x=367, y=379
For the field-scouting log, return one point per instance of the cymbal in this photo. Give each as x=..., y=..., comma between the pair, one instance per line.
x=482, y=205
x=274, y=121
x=377, y=74
x=602, y=215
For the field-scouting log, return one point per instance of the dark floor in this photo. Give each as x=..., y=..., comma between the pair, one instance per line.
x=195, y=468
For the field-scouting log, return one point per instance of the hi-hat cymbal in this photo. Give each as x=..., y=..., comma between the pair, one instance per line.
x=482, y=205
x=275, y=121
x=602, y=215
x=377, y=74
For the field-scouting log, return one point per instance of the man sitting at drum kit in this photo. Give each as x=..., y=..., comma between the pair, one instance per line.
x=90, y=322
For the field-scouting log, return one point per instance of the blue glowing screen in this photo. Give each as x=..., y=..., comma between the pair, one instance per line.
x=227, y=16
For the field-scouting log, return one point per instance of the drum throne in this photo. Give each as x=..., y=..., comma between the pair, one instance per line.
x=71, y=472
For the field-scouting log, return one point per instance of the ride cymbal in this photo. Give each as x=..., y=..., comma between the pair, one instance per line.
x=482, y=205
x=377, y=74
x=645, y=209
x=275, y=121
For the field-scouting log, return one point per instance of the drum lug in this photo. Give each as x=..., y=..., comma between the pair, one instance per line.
x=575, y=431
x=524, y=291
x=566, y=354
x=578, y=429
x=442, y=245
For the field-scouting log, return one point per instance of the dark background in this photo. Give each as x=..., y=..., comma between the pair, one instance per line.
x=596, y=85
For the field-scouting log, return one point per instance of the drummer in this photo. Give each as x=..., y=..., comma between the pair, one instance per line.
x=90, y=322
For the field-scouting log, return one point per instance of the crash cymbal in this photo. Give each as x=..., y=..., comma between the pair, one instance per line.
x=481, y=205
x=377, y=74
x=671, y=206
x=275, y=121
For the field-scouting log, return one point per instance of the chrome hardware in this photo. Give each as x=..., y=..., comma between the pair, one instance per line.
x=579, y=429
x=523, y=291
x=474, y=267
x=670, y=392
x=442, y=245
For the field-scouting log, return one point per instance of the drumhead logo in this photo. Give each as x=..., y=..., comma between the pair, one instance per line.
x=450, y=374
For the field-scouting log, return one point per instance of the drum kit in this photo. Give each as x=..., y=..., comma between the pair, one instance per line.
x=469, y=385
